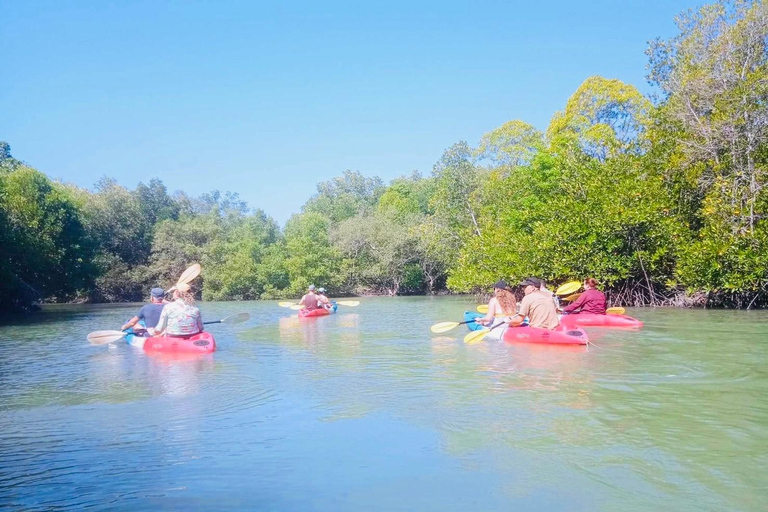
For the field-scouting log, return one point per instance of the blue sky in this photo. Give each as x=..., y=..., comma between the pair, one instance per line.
x=268, y=99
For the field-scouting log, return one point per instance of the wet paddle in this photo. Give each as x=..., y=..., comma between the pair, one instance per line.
x=615, y=311
x=231, y=319
x=476, y=336
x=447, y=326
x=104, y=337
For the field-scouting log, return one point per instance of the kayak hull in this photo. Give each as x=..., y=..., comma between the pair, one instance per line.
x=561, y=335
x=595, y=320
x=200, y=343
x=303, y=313
x=471, y=315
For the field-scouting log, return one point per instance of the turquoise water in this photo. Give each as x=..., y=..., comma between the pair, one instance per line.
x=368, y=410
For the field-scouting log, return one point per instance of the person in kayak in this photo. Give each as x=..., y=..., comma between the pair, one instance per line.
x=591, y=301
x=180, y=317
x=149, y=313
x=310, y=300
x=537, y=306
x=322, y=299
x=502, y=304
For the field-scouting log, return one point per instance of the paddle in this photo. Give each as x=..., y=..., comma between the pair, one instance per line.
x=571, y=298
x=104, y=337
x=447, y=326
x=476, y=336
x=231, y=319
x=190, y=274
x=482, y=308
x=286, y=304
x=568, y=288
x=615, y=311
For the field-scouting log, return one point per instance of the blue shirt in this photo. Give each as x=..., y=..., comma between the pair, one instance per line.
x=150, y=313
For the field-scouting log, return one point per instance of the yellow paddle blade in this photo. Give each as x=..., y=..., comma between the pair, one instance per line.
x=103, y=337
x=571, y=298
x=568, y=288
x=350, y=303
x=476, y=336
x=296, y=307
x=482, y=308
x=188, y=275
x=286, y=304
x=615, y=311
x=443, y=327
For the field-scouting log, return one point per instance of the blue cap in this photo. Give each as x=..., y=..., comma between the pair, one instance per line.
x=158, y=293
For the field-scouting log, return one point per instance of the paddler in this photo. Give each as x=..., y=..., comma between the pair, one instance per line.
x=537, y=306
x=180, y=317
x=149, y=313
x=323, y=300
x=310, y=299
x=502, y=304
x=591, y=301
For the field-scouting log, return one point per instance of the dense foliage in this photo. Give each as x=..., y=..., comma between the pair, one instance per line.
x=661, y=199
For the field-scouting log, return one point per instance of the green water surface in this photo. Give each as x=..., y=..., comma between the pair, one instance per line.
x=368, y=410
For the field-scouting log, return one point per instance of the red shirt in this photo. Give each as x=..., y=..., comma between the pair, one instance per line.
x=591, y=301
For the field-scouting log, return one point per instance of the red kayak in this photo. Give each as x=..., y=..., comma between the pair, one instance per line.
x=304, y=313
x=560, y=335
x=200, y=343
x=595, y=320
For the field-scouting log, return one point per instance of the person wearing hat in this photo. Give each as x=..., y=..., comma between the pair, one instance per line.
x=502, y=304
x=537, y=306
x=149, y=314
x=180, y=317
x=322, y=299
x=310, y=299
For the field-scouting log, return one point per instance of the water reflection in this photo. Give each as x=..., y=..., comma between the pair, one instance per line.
x=309, y=411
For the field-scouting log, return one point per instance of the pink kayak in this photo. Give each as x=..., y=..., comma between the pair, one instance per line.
x=303, y=313
x=561, y=335
x=200, y=343
x=595, y=320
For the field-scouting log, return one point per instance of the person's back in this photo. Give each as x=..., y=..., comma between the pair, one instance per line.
x=180, y=317
x=310, y=301
x=150, y=314
x=591, y=301
x=540, y=310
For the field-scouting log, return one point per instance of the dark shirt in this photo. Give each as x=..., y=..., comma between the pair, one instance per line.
x=591, y=301
x=150, y=313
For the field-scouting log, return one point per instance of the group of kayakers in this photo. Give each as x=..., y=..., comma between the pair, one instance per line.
x=539, y=305
x=161, y=317
x=315, y=299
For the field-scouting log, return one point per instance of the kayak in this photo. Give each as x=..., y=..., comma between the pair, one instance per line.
x=200, y=343
x=595, y=320
x=561, y=335
x=303, y=313
x=471, y=315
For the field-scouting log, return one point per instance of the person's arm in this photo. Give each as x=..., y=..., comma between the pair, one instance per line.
x=162, y=323
x=519, y=318
x=577, y=304
x=133, y=321
x=301, y=302
x=493, y=305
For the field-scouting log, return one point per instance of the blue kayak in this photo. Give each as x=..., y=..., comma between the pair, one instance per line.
x=470, y=315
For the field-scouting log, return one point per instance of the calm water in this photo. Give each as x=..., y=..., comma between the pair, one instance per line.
x=368, y=410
